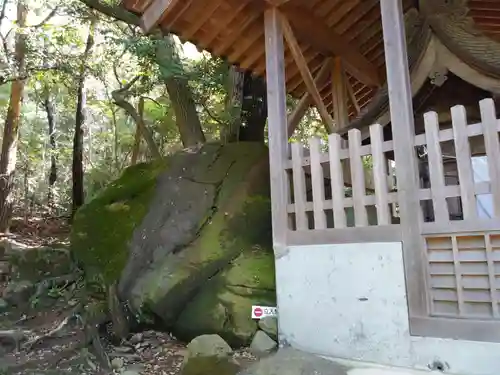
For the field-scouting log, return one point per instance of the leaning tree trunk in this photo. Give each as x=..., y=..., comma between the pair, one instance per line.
x=12, y=121
x=181, y=97
x=120, y=99
x=77, y=169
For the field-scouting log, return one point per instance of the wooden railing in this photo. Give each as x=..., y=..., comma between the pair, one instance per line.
x=459, y=221
x=326, y=173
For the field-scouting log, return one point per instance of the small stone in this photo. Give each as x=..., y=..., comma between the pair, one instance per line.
x=18, y=292
x=131, y=372
x=208, y=346
x=123, y=349
x=117, y=363
x=4, y=269
x=262, y=344
x=3, y=305
x=136, y=339
x=210, y=365
x=269, y=325
x=134, y=369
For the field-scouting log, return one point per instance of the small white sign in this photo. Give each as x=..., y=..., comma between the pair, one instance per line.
x=259, y=312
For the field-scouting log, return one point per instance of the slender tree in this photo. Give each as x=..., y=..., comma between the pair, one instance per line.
x=78, y=196
x=13, y=118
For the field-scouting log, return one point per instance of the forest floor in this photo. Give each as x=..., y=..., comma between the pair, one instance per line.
x=48, y=335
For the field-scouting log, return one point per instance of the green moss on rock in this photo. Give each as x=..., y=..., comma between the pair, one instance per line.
x=197, y=254
x=224, y=305
x=240, y=220
x=103, y=227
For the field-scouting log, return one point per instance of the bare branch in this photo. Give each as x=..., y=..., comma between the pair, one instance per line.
x=52, y=13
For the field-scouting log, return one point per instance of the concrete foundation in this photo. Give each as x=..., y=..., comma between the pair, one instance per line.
x=349, y=301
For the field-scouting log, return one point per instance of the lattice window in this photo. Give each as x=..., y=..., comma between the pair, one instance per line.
x=464, y=275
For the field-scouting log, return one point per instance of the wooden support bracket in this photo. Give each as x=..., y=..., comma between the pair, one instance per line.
x=301, y=62
x=306, y=100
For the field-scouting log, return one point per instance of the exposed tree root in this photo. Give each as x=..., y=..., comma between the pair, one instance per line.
x=14, y=336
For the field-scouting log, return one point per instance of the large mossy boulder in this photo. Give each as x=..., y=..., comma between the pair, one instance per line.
x=188, y=239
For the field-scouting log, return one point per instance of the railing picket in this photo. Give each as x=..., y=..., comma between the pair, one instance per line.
x=357, y=178
x=490, y=132
x=299, y=186
x=337, y=180
x=436, y=169
x=379, y=175
x=318, y=184
x=464, y=161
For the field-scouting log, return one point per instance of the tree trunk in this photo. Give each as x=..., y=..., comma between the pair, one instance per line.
x=119, y=97
x=254, y=109
x=234, y=103
x=12, y=121
x=49, y=108
x=181, y=97
x=77, y=170
x=137, y=145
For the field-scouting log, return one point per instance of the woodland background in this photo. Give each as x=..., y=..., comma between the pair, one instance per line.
x=84, y=94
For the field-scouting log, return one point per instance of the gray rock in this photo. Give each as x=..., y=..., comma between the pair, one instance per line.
x=117, y=363
x=270, y=326
x=262, y=344
x=137, y=338
x=134, y=369
x=210, y=365
x=4, y=269
x=19, y=292
x=3, y=305
x=293, y=362
x=131, y=372
x=208, y=346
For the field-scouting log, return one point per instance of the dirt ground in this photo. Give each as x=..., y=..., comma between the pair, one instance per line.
x=51, y=337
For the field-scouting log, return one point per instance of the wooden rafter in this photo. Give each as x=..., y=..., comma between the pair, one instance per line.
x=277, y=3
x=308, y=27
x=207, y=13
x=314, y=31
x=306, y=73
x=306, y=100
x=352, y=95
x=155, y=12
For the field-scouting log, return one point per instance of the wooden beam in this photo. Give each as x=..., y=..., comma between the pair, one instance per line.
x=352, y=96
x=313, y=30
x=278, y=140
x=403, y=131
x=277, y=3
x=306, y=100
x=155, y=12
x=306, y=73
x=339, y=94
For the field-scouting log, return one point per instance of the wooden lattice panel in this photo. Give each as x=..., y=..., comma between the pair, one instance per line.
x=464, y=275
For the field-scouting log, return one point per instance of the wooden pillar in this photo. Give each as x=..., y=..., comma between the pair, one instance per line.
x=277, y=126
x=403, y=130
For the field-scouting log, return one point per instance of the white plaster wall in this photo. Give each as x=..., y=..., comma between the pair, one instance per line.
x=349, y=301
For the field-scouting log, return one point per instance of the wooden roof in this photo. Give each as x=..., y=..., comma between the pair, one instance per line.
x=350, y=29
x=486, y=15
x=234, y=29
